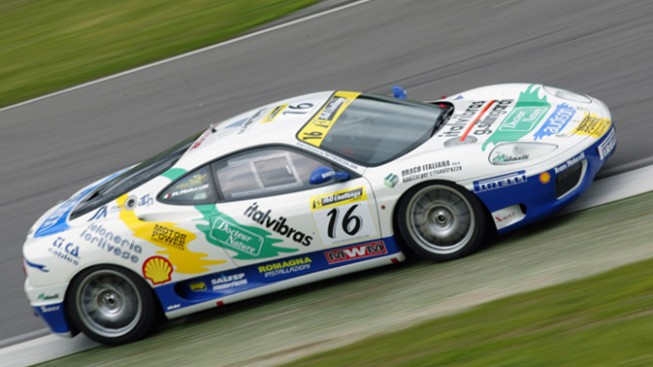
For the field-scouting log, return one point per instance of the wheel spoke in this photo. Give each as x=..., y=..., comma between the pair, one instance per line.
x=440, y=219
x=109, y=303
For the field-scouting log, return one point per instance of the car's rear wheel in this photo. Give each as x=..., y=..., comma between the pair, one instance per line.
x=441, y=221
x=111, y=305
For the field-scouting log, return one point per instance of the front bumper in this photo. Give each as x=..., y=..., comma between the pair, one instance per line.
x=47, y=303
x=519, y=200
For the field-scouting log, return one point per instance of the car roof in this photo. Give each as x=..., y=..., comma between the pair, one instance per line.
x=274, y=123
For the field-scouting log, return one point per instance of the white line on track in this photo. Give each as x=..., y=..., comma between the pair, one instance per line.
x=198, y=51
x=23, y=337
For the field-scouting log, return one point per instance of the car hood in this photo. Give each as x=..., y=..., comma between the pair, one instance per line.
x=513, y=122
x=56, y=219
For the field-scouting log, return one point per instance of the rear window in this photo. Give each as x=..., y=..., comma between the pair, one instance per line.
x=134, y=177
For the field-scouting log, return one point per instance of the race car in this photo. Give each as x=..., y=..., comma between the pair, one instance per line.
x=305, y=189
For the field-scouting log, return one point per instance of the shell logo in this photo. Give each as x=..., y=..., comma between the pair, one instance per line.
x=157, y=269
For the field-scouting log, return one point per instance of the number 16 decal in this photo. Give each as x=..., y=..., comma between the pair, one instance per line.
x=343, y=216
x=351, y=224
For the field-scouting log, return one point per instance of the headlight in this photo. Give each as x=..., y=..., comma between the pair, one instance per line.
x=568, y=95
x=510, y=153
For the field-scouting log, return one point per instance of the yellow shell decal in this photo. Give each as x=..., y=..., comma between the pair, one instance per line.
x=172, y=239
x=157, y=269
x=593, y=126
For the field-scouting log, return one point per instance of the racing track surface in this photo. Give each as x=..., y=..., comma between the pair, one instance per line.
x=50, y=148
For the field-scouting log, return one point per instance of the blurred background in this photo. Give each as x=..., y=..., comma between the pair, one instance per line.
x=49, y=147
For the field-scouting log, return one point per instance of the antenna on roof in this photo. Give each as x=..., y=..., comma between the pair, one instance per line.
x=192, y=92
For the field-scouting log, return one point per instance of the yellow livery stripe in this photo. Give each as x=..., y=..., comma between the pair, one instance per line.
x=315, y=131
x=592, y=125
x=274, y=113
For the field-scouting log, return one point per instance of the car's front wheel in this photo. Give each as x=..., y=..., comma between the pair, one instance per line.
x=441, y=221
x=111, y=305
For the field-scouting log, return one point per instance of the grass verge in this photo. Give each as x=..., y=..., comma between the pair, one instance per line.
x=50, y=45
x=605, y=320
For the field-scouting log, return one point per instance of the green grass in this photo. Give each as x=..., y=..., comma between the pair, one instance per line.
x=605, y=320
x=49, y=45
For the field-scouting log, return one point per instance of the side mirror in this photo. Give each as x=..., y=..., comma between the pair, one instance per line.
x=325, y=174
x=399, y=92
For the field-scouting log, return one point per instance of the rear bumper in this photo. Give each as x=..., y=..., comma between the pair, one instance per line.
x=529, y=198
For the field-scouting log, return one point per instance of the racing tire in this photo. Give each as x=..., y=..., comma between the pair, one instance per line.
x=441, y=221
x=111, y=305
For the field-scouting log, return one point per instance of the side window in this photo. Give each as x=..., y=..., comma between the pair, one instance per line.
x=194, y=188
x=263, y=172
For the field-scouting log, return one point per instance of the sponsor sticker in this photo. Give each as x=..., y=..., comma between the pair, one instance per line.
x=475, y=121
x=592, y=125
x=199, y=286
x=556, y=122
x=99, y=214
x=343, y=216
x=279, y=225
x=47, y=297
x=499, y=182
x=171, y=238
x=503, y=158
x=293, y=266
x=608, y=145
x=65, y=250
x=338, y=198
x=570, y=163
x=355, y=252
x=228, y=281
x=157, y=269
x=391, y=180
x=250, y=121
x=529, y=110
x=430, y=169
x=235, y=237
x=248, y=242
x=48, y=309
x=114, y=244
x=507, y=216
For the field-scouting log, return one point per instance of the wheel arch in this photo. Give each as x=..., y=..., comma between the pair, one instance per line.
x=75, y=330
x=406, y=194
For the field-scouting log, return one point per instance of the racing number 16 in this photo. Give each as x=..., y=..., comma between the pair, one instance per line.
x=351, y=223
x=297, y=109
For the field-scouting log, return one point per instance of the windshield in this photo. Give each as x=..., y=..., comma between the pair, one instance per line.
x=373, y=130
x=133, y=177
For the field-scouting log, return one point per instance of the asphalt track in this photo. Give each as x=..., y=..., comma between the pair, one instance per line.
x=50, y=148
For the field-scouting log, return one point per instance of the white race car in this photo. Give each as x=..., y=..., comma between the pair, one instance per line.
x=305, y=189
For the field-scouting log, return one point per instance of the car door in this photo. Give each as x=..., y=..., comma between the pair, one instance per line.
x=276, y=225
